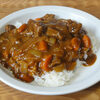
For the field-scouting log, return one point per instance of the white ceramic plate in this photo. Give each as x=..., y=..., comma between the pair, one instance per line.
x=86, y=77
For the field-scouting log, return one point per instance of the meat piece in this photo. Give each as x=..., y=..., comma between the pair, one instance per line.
x=82, y=33
x=74, y=27
x=67, y=45
x=71, y=55
x=30, y=25
x=35, y=27
x=55, y=61
x=54, y=33
x=48, y=17
x=38, y=29
x=90, y=60
x=61, y=28
x=3, y=37
x=12, y=38
x=62, y=21
x=9, y=28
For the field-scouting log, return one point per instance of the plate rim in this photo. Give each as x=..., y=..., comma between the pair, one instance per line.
x=45, y=92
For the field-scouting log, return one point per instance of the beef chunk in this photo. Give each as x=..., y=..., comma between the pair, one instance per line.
x=9, y=28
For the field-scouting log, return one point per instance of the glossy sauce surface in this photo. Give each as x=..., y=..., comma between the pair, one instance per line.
x=44, y=44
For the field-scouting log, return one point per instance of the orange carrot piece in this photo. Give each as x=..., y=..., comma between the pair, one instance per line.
x=75, y=42
x=86, y=41
x=22, y=28
x=42, y=46
x=38, y=19
x=45, y=63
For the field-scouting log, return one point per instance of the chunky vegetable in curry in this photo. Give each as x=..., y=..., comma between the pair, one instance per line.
x=44, y=44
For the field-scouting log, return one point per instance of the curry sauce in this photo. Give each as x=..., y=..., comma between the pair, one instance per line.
x=44, y=44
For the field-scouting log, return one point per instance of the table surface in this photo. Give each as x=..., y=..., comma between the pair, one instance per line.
x=9, y=6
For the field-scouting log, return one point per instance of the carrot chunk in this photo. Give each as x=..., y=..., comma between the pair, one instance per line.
x=38, y=19
x=75, y=42
x=86, y=41
x=26, y=78
x=22, y=28
x=45, y=63
x=42, y=46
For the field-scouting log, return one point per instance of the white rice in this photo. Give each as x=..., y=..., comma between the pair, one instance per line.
x=55, y=79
